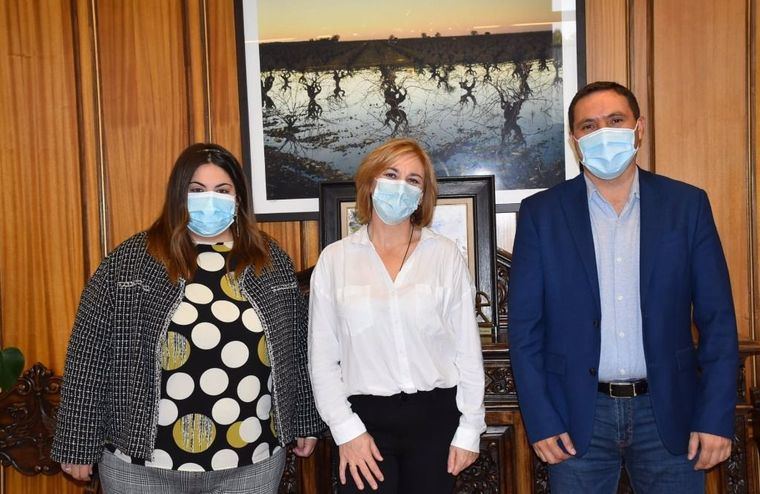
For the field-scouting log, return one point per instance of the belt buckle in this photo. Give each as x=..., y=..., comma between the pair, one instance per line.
x=626, y=384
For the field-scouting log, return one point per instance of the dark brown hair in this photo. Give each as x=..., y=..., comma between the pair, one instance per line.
x=383, y=157
x=603, y=86
x=169, y=240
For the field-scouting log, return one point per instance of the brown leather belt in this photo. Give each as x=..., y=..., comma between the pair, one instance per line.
x=627, y=389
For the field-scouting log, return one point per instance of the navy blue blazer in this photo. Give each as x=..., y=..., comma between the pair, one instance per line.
x=555, y=314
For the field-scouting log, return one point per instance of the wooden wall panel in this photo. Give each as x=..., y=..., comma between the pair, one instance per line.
x=701, y=104
x=145, y=106
x=41, y=263
x=223, y=82
x=41, y=236
x=754, y=168
x=607, y=40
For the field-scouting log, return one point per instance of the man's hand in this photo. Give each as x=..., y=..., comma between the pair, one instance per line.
x=459, y=459
x=712, y=449
x=79, y=472
x=549, y=450
x=360, y=455
x=305, y=446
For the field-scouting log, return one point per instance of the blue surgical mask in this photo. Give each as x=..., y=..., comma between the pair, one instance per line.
x=210, y=212
x=395, y=200
x=607, y=152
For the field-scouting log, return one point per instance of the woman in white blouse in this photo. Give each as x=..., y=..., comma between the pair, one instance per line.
x=394, y=351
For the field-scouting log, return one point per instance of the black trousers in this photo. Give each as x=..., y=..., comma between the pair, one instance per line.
x=413, y=433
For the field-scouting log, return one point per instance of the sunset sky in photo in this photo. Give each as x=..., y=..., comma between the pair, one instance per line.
x=299, y=20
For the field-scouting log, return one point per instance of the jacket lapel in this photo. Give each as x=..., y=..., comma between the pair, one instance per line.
x=575, y=206
x=651, y=231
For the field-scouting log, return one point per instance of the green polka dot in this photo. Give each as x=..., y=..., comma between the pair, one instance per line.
x=194, y=433
x=233, y=436
x=231, y=288
x=262, y=351
x=273, y=428
x=175, y=351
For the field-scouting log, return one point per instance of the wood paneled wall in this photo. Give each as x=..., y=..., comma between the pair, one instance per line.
x=99, y=96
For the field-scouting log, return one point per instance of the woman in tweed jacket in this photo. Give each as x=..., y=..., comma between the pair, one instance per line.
x=186, y=367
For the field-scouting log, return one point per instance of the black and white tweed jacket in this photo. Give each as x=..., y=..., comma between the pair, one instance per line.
x=112, y=376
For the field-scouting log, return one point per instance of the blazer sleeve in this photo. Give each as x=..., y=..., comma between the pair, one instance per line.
x=80, y=433
x=309, y=423
x=526, y=331
x=714, y=316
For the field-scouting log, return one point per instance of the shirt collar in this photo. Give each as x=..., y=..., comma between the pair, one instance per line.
x=592, y=191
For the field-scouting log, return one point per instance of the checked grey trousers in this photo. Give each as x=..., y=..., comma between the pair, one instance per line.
x=119, y=477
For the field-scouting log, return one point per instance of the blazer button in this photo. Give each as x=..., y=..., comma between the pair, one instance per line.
x=592, y=371
x=597, y=323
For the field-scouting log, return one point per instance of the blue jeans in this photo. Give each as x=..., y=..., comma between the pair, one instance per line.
x=625, y=434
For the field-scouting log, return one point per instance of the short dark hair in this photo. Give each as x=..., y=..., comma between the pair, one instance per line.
x=603, y=86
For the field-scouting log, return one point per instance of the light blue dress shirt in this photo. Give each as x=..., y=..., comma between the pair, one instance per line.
x=616, y=245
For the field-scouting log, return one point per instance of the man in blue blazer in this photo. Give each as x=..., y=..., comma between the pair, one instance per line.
x=608, y=271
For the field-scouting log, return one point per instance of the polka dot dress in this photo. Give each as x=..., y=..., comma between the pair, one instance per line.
x=215, y=406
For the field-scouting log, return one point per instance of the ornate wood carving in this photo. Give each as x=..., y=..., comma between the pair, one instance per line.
x=289, y=481
x=735, y=467
x=490, y=474
x=503, y=266
x=540, y=476
x=27, y=422
x=500, y=383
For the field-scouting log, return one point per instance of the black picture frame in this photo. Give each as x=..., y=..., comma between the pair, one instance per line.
x=479, y=191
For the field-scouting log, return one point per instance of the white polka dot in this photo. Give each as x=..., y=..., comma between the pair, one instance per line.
x=179, y=386
x=248, y=388
x=185, y=314
x=223, y=459
x=264, y=406
x=167, y=412
x=250, y=429
x=205, y=335
x=198, y=294
x=214, y=381
x=210, y=261
x=225, y=311
x=234, y=354
x=251, y=321
x=269, y=382
x=190, y=467
x=225, y=411
x=161, y=459
x=260, y=453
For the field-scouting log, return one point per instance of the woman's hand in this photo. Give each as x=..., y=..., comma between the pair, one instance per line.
x=79, y=472
x=459, y=459
x=305, y=446
x=360, y=455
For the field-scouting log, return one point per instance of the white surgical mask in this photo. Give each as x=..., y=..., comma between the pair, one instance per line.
x=607, y=152
x=210, y=212
x=395, y=200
